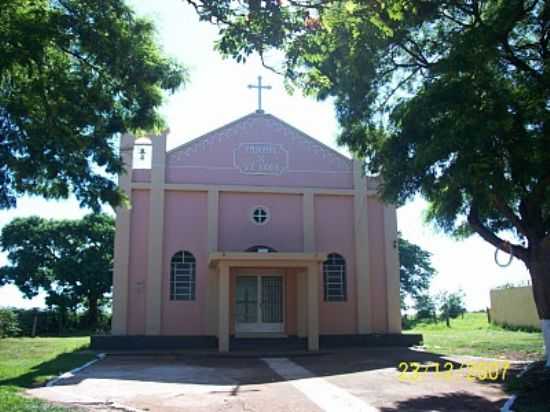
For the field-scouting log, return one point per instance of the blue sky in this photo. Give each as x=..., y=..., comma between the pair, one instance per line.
x=216, y=94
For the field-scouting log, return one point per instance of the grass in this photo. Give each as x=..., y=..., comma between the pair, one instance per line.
x=474, y=336
x=30, y=362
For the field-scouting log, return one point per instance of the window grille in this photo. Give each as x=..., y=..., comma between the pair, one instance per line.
x=334, y=276
x=182, y=276
x=260, y=215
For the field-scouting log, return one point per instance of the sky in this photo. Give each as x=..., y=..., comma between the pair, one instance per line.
x=217, y=94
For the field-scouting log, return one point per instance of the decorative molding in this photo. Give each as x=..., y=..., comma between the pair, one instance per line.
x=191, y=187
x=253, y=122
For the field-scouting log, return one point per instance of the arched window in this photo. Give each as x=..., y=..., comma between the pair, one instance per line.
x=182, y=276
x=334, y=276
x=260, y=249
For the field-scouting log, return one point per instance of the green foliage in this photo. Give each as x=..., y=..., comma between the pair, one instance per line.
x=57, y=321
x=425, y=307
x=74, y=74
x=451, y=304
x=9, y=325
x=416, y=271
x=446, y=99
x=70, y=259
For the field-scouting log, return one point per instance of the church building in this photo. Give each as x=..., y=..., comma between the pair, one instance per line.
x=254, y=230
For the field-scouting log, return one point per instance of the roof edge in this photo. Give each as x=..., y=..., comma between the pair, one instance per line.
x=218, y=129
x=255, y=113
x=310, y=137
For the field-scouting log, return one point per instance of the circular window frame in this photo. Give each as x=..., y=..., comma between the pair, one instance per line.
x=267, y=212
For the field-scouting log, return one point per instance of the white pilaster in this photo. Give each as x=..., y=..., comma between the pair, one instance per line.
x=211, y=303
x=156, y=235
x=308, y=211
x=313, y=275
x=122, y=241
x=361, y=246
x=301, y=307
x=223, y=308
x=392, y=269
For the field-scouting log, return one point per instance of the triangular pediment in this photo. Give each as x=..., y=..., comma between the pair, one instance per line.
x=258, y=149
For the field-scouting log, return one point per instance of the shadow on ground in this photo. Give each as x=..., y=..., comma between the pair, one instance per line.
x=216, y=370
x=458, y=401
x=45, y=370
x=346, y=368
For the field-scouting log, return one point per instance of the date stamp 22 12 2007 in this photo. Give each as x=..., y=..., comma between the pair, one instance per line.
x=480, y=370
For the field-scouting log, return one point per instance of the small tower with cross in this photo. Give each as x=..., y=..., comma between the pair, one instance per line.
x=260, y=87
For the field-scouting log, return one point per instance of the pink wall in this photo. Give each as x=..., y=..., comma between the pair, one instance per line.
x=284, y=232
x=377, y=264
x=185, y=228
x=215, y=157
x=334, y=232
x=137, y=277
x=141, y=175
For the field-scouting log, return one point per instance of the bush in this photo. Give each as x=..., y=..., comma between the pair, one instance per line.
x=55, y=322
x=9, y=324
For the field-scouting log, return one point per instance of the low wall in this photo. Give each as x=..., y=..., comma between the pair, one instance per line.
x=141, y=342
x=514, y=307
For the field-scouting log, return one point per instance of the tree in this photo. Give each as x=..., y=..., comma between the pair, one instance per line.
x=415, y=272
x=425, y=307
x=70, y=259
x=74, y=74
x=9, y=325
x=446, y=99
x=451, y=305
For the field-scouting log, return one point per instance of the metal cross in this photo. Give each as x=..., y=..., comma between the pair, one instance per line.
x=259, y=86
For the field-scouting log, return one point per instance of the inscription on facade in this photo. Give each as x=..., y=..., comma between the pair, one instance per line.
x=261, y=159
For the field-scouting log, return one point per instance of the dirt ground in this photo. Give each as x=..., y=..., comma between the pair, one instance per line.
x=353, y=380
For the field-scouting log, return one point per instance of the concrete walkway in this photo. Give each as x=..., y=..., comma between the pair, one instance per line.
x=353, y=380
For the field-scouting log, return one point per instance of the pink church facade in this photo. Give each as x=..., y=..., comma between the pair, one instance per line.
x=254, y=230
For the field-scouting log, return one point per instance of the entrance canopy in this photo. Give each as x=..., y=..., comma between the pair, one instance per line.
x=265, y=259
x=223, y=262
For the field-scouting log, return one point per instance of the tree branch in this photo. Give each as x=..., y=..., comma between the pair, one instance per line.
x=475, y=223
x=397, y=87
x=267, y=66
x=510, y=215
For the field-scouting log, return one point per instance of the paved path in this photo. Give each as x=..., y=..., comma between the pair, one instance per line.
x=360, y=380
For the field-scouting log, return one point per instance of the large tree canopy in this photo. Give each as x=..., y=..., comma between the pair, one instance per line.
x=73, y=75
x=447, y=99
x=71, y=260
x=415, y=271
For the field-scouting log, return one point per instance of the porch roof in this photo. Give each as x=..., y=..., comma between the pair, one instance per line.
x=259, y=259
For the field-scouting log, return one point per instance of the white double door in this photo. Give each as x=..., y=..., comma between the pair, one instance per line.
x=259, y=305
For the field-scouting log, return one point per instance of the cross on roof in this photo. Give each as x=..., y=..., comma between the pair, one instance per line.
x=259, y=86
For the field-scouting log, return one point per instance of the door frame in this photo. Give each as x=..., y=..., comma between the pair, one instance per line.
x=260, y=328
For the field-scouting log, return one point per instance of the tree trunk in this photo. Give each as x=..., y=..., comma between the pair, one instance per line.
x=539, y=268
x=92, y=312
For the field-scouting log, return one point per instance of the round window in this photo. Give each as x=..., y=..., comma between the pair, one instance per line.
x=260, y=215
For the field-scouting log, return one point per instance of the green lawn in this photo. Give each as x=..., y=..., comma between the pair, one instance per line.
x=29, y=362
x=474, y=336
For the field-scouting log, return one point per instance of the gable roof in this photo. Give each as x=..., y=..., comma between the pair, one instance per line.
x=265, y=116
